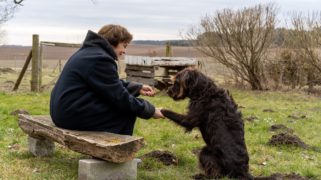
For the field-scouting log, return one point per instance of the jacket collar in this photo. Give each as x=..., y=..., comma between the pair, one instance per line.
x=95, y=40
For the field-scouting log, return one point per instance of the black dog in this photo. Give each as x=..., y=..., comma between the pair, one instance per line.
x=214, y=112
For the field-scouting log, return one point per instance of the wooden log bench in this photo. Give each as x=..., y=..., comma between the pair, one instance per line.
x=114, y=154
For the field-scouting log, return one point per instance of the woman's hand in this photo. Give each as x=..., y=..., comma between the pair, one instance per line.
x=158, y=114
x=147, y=91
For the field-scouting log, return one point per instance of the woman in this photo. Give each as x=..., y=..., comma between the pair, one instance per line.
x=89, y=94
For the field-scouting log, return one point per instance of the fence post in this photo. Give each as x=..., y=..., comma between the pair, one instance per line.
x=40, y=66
x=35, y=63
x=23, y=71
x=60, y=65
x=168, y=52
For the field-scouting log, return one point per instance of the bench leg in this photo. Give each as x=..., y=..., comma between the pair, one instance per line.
x=95, y=169
x=41, y=147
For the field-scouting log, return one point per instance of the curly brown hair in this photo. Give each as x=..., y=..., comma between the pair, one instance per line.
x=213, y=111
x=115, y=34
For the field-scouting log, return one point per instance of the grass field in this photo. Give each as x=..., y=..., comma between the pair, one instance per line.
x=17, y=163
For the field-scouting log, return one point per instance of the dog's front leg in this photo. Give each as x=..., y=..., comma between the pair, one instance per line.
x=180, y=119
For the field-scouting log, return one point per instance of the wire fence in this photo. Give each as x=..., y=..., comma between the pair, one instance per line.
x=13, y=58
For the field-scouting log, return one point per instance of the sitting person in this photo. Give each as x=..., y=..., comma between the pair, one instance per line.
x=89, y=94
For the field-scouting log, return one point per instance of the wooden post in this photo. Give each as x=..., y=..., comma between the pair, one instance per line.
x=23, y=71
x=40, y=66
x=168, y=50
x=60, y=65
x=35, y=63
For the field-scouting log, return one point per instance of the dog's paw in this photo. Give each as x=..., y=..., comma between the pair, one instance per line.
x=167, y=113
x=178, y=118
x=164, y=110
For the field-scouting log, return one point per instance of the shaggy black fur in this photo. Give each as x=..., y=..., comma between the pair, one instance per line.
x=214, y=112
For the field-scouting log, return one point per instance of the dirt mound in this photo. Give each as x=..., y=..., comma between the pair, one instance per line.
x=281, y=127
x=8, y=82
x=293, y=116
x=268, y=110
x=287, y=139
x=251, y=118
x=6, y=70
x=196, y=151
x=6, y=85
x=166, y=157
x=279, y=176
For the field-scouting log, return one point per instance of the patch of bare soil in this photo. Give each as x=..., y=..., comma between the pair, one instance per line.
x=279, y=176
x=196, y=151
x=287, y=139
x=268, y=110
x=281, y=127
x=6, y=86
x=6, y=70
x=250, y=118
x=297, y=116
x=166, y=157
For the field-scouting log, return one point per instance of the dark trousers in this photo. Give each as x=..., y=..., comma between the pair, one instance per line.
x=128, y=127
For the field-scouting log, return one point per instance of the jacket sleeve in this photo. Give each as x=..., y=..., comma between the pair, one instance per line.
x=132, y=87
x=103, y=79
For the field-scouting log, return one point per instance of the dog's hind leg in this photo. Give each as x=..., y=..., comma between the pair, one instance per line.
x=209, y=164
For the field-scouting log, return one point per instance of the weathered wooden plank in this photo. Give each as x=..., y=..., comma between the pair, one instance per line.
x=139, y=60
x=176, y=62
x=160, y=61
x=60, y=44
x=140, y=68
x=107, y=146
x=139, y=73
x=148, y=81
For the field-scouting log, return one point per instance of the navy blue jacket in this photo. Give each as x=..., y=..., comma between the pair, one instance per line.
x=89, y=94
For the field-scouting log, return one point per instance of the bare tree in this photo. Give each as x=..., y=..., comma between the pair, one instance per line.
x=18, y=2
x=307, y=36
x=238, y=39
x=7, y=9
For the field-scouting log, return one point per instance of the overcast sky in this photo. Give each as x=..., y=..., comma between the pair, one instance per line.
x=69, y=20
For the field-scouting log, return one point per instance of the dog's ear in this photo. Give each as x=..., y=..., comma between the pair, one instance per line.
x=186, y=78
x=190, y=78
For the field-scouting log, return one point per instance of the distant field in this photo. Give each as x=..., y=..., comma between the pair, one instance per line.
x=51, y=72
x=14, y=57
x=52, y=53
